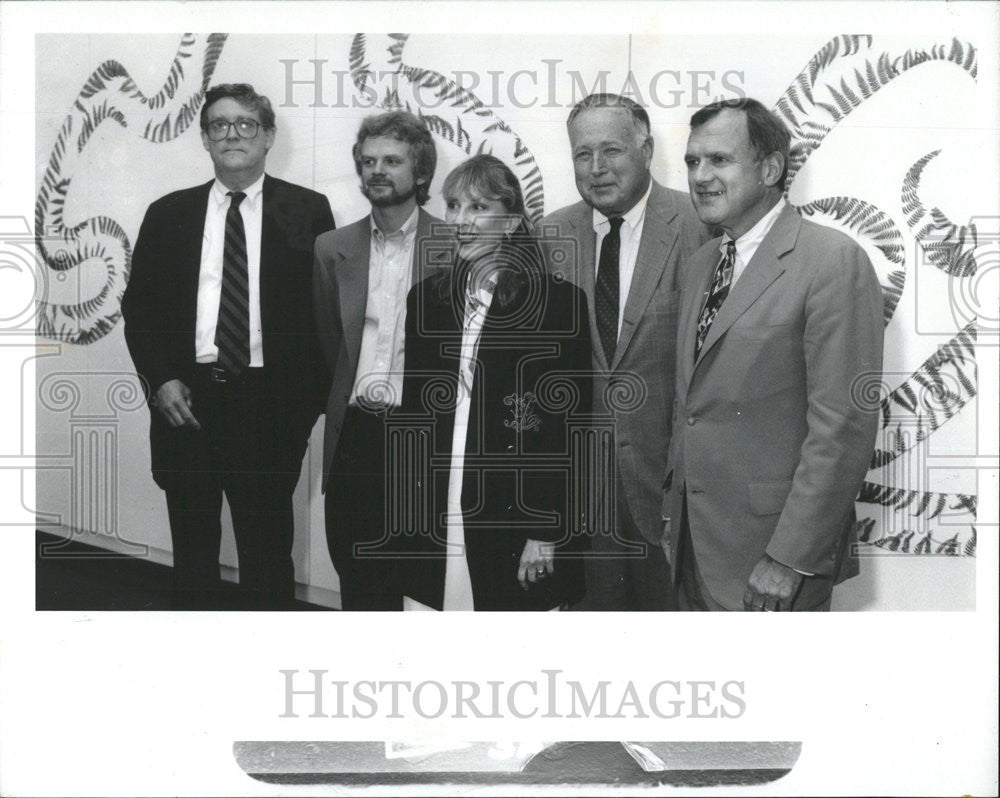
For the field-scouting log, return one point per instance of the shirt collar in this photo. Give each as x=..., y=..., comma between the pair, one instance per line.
x=632, y=217
x=221, y=194
x=409, y=227
x=750, y=240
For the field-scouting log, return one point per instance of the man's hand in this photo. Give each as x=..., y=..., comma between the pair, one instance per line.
x=537, y=562
x=173, y=400
x=771, y=587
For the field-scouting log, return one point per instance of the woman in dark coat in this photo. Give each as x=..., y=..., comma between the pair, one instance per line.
x=497, y=380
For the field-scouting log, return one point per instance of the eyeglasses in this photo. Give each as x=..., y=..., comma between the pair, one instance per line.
x=245, y=128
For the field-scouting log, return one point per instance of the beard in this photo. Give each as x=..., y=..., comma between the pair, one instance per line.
x=381, y=198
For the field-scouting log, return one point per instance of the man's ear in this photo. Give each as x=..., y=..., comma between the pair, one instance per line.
x=774, y=165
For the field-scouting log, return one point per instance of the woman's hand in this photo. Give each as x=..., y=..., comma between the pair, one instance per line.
x=537, y=562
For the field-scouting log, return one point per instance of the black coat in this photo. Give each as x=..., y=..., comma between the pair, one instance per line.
x=532, y=383
x=160, y=309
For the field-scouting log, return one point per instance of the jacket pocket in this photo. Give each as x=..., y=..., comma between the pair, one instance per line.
x=768, y=498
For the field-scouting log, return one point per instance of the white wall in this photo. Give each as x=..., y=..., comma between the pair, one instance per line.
x=866, y=157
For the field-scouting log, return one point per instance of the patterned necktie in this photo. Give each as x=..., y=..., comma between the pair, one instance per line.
x=232, y=330
x=606, y=289
x=720, y=290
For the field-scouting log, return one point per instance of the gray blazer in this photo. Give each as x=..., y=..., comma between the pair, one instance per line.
x=637, y=387
x=340, y=296
x=772, y=440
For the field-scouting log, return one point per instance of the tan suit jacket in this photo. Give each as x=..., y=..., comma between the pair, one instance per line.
x=643, y=363
x=340, y=296
x=773, y=435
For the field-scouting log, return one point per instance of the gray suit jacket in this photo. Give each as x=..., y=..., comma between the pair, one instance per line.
x=774, y=432
x=637, y=387
x=340, y=296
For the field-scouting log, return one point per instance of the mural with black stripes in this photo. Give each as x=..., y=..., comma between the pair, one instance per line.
x=897, y=513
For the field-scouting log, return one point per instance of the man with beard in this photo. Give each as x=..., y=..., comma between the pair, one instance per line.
x=362, y=274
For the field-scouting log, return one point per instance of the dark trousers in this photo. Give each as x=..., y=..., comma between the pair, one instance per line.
x=355, y=516
x=250, y=452
x=627, y=572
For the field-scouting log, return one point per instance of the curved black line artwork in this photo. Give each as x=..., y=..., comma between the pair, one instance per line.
x=378, y=70
x=109, y=93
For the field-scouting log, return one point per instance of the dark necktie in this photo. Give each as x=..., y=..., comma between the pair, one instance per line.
x=606, y=289
x=717, y=295
x=232, y=330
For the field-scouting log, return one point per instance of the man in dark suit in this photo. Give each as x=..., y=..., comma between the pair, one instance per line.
x=625, y=245
x=217, y=323
x=781, y=328
x=362, y=275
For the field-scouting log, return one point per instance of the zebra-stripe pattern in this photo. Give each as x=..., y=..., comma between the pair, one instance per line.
x=378, y=70
x=109, y=93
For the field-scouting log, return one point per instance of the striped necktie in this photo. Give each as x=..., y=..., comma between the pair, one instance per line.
x=716, y=296
x=606, y=291
x=232, y=330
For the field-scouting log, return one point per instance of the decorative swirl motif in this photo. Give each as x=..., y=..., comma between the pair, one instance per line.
x=108, y=94
x=913, y=411
x=810, y=120
x=625, y=392
x=377, y=392
x=870, y=224
x=559, y=391
x=868, y=390
x=948, y=246
x=439, y=393
x=125, y=394
x=58, y=392
x=377, y=69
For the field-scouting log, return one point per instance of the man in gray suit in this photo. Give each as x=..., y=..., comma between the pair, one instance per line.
x=625, y=245
x=780, y=331
x=362, y=274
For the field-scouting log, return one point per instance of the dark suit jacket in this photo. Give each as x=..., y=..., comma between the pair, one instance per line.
x=772, y=436
x=160, y=306
x=517, y=479
x=340, y=296
x=643, y=365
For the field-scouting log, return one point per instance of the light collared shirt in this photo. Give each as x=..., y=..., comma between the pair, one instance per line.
x=380, y=363
x=210, y=274
x=747, y=244
x=630, y=234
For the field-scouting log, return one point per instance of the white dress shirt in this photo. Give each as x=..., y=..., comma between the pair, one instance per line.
x=210, y=274
x=380, y=362
x=630, y=234
x=457, y=580
x=747, y=244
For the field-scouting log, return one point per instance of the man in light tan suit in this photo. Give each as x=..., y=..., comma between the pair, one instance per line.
x=625, y=245
x=362, y=274
x=780, y=327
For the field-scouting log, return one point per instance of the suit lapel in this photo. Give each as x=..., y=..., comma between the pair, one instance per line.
x=698, y=280
x=658, y=240
x=271, y=239
x=582, y=232
x=351, y=269
x=764, y=268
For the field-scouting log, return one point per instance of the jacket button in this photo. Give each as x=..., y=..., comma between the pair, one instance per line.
x=692, y=421
x=510, y=447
